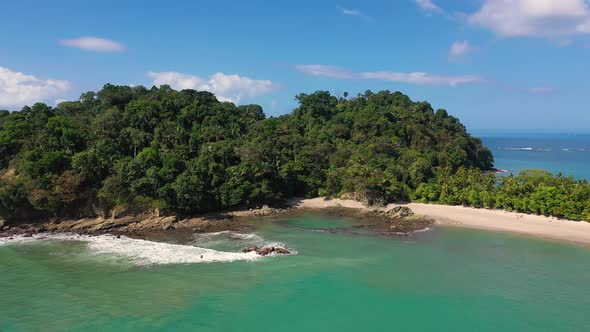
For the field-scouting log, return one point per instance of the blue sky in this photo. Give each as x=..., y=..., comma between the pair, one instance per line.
x=499, y=65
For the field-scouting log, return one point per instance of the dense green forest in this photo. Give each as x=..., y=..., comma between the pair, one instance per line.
x=131, y=150
x=531, y=191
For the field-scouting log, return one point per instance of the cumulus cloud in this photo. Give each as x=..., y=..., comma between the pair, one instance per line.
x=429, y=6
x=460, y=48
x=533, y=18
x=226, y=87
x=18, y=89
x=93, y=44
x=419, y=78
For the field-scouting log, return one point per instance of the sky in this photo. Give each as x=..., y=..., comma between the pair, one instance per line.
x=498, y=65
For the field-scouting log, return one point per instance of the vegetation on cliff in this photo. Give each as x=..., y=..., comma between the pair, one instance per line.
x=135, y=149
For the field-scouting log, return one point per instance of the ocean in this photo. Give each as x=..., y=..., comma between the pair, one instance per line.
x=565, y=153
x=340, y=277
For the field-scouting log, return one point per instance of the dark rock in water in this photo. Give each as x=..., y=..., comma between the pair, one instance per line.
x=282, y=251
x=28, y=235
x=265, y=251
x=249, y=249
x=411, y=224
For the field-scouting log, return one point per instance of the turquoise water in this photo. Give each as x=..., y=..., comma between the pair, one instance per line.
x=565, y=153
x=341, y=279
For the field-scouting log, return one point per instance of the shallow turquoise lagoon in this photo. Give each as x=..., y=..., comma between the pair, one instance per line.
x=341, y=279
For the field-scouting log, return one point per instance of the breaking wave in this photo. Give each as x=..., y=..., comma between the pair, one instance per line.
x=542, y=149
x=233, y=241
x=141, y=252
x=523, y=149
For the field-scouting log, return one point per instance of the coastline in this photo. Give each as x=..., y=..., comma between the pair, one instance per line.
x=505, y=221
x=478, y=218
x=155, y=227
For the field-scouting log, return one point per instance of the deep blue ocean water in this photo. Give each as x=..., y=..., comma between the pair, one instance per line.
x=565, y=153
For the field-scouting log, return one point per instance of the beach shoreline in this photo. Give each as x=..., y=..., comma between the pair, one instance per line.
x=443, y=215
x=478, y=218
x=549, y=228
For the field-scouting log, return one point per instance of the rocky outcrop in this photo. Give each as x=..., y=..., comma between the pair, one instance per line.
x=411, y=224
x=398, y=212
x=267, y=250
x=265, y=210
x=154, y=223
x=134, y=225
x=400, y=220
x=366, y=198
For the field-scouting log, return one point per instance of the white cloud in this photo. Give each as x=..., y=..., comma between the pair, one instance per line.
x=419, y=78
x=460, y=48
x=18, y=89
x=93, y=44
x=351, y=12
x=326, y=71
x=533, y=18
x=226, y=87
x=429, y=6
x=541, y=90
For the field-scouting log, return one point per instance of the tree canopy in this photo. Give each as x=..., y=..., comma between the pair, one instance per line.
x=185, y=152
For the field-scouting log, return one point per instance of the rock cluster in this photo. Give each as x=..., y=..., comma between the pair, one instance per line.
x=267, y=250
x=398, y=212
x=401, y=220
x=265, y=210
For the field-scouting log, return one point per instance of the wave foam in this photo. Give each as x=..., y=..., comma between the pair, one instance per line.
x=141, y=252
x=145, y=252
x=541, y=149
x=227, y=240
x=523, y=149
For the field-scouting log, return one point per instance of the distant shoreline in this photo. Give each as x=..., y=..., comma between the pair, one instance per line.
x=477, y=218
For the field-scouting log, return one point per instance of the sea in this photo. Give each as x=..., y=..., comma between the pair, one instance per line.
x=568, y=154
x=339, y=277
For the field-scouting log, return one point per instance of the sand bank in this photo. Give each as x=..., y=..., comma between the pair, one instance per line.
x=497, y=220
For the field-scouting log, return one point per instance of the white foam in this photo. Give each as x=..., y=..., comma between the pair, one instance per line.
x=140, y=252
x=143, y=252
x=523, y=149
x=227, y=240
x=228, y=234
x=422, y=230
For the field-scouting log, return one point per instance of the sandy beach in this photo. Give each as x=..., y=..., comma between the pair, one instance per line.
x=453, y=216
x=496, y=220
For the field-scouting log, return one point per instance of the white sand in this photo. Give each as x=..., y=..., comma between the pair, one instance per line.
x=541, y=226
x=322, y=203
